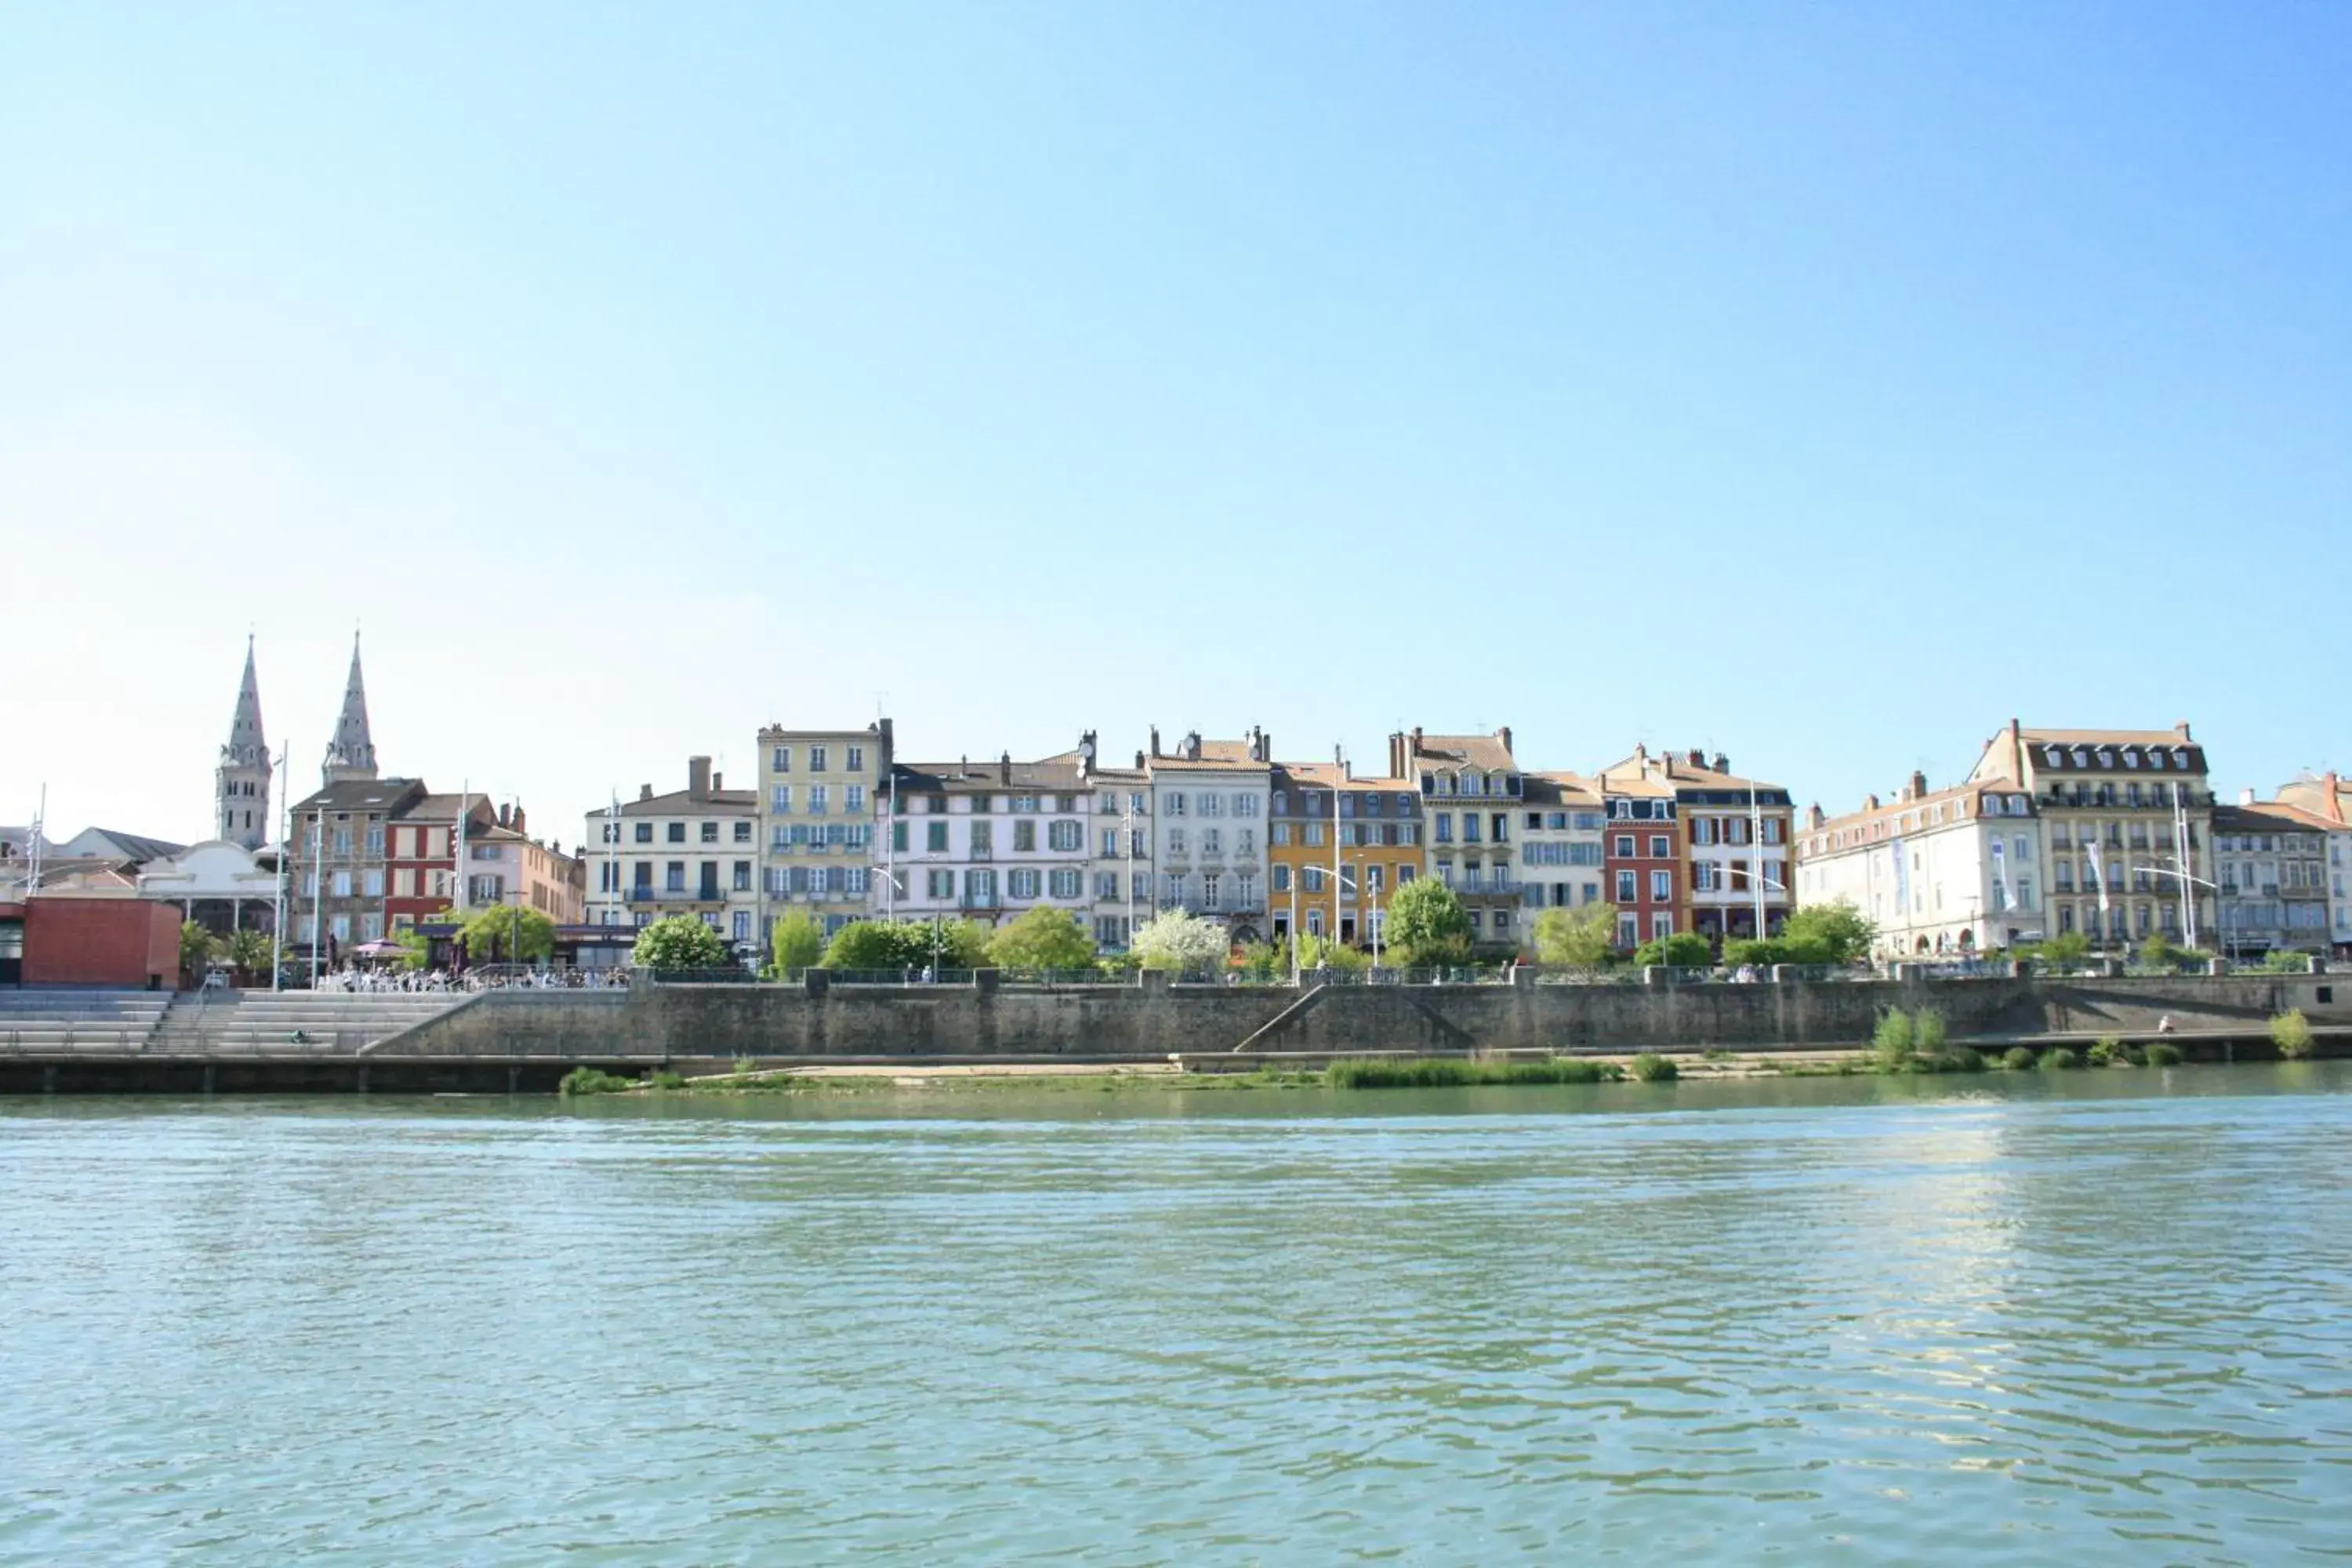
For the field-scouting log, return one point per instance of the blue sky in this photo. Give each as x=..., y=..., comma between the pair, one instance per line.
x=1820, y=384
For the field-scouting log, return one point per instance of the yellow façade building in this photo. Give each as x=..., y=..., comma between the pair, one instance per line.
x=1338, y=847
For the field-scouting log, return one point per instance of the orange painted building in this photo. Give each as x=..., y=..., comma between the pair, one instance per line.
x=1338, y=846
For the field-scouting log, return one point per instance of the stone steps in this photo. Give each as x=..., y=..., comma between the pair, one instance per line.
x=333, y=1020
x=80, y=1020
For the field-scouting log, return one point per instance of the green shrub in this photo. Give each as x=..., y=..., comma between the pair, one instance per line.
x=2058, y=1058
x=2284, y=960
x=594, y=1080
x=1893, y=1038
x=2105, y=1052
x=1652, y=1068
x=2164, y=1054
x=2017, y=1058
x=1683, y=950
x=1928, y=1032
x=2291, y=1033
x=2132, y=1054
x=1959, y=1059
x=667, y=1079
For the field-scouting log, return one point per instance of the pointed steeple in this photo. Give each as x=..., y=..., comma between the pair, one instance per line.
x=246, y=743
x=352, y=754
x=241, y=783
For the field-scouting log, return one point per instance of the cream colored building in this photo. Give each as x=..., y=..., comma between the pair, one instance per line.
x=2329, y=798
x=505, y=866
x=2127, y=819
x=1953, y=871
x=693, y=851
x=821, y=793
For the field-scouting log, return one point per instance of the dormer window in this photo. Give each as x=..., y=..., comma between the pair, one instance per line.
x=2081, y=758
x=1993, y=805
x=2181, y=758
x=1472, y=784
x=2131, y=759
x=2106, y=758
x=2155, y=759
x=2053, y=756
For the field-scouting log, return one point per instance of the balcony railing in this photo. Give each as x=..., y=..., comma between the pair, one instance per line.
x=981, y=901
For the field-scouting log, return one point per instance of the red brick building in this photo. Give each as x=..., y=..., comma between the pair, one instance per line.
x=1641, y=850
x=420, y=855
x=57, y=939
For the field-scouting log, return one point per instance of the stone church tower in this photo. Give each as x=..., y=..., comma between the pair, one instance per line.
x=241, y=783
x=352, y=754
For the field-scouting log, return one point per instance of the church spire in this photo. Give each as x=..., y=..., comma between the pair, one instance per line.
x=352, y=754
x=245, y=739
x=241, y=783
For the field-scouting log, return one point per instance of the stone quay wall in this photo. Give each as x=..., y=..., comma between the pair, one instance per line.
x=1154, y=1021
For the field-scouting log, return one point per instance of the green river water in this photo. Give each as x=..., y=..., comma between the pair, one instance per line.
x=2073, y=1319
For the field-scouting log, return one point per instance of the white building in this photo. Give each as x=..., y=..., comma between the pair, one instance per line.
x=1209, y=800
x=1561, y=844
x=693, y=851
x=1952, y=872
x=1119, y=876
x=987, y=841
x=220, y=884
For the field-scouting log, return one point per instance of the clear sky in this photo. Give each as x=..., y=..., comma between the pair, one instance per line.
x=1823, y=385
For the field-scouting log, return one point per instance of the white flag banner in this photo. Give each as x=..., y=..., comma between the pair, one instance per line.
x=2000, y=874
x=2099, y=870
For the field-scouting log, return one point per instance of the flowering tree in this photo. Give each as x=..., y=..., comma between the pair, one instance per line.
x=1179, y=940
x=678, y=942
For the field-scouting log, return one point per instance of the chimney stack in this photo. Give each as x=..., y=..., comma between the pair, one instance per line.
x=718, y=782
x=1918, y=784
x=1504, y=735
x=2246, y=796
x=1004, y=768
x=645, y=792
x=1722, y=763
x=1155, y=740
x=1697, y=758
x=698, y=778
x=518, y=816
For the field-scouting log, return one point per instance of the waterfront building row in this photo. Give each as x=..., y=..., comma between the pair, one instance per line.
x=2112, y=833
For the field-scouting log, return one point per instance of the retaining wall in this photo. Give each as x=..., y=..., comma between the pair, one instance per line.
x=766, y=1021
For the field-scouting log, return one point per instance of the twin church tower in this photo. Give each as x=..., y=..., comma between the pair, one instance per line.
x=241, y=783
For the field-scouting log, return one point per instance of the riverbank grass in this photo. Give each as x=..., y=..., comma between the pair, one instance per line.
x=1451, y=1072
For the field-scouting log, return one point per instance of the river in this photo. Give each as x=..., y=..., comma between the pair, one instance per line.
x=2080, y=1318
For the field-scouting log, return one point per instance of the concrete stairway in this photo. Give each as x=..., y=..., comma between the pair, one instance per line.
x=63, y=1020
x=269, y=1021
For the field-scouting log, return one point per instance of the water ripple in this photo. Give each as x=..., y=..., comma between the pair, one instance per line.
x=1804, y=1323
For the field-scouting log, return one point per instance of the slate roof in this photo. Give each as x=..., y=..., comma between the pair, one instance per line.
x=1488, y=754
x=362, y=794
x=109, y=843
x=1059, y=775
x=2270, y=816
